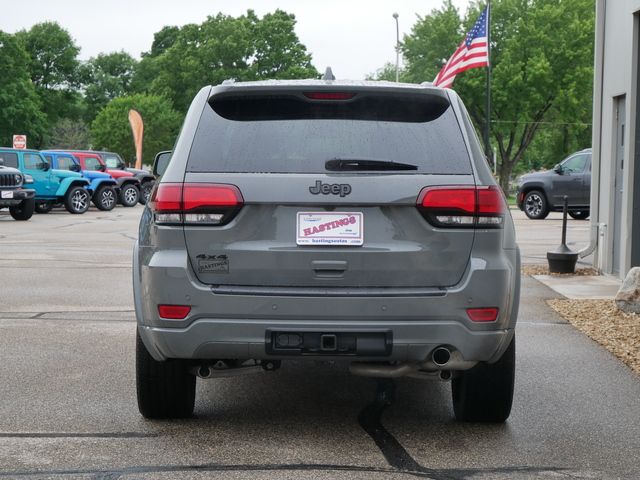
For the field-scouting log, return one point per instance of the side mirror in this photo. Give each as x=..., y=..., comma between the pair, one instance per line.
x=75, y=168
x=161, y=163
x=1, y=161
x=45, y=166
x=103, y=168
x=558, y=169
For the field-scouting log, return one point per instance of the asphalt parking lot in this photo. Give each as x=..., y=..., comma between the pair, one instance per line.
x=68, y=406
x=537, y=237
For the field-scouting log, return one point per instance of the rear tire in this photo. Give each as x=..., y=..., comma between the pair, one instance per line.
x=24, y=211
x=43, y=207
x=580, y=215
x=485, y=393
x=129, y=195
x=165, y=389
x=105, y=198
x=76, y=200
x=145, y=192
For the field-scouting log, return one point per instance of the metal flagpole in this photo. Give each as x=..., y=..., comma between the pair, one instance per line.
x=487, y=125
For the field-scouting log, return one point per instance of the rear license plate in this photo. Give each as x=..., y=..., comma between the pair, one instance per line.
x=330, y=228
x=6, y=194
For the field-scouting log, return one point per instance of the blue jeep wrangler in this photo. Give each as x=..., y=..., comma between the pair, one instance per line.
x=52, y=186
x=102, y=186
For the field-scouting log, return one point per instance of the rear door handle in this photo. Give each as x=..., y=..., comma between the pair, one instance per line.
x=329, y=268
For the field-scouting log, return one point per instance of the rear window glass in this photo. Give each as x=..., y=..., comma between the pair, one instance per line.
x=289, y=134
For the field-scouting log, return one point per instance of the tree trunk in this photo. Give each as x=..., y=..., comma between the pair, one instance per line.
x=504, y=172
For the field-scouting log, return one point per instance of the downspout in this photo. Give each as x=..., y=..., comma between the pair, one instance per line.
x=601, y=16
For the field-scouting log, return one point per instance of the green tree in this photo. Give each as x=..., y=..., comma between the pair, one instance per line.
x=69, y=134
x=19, y=104
x=277, y=51
x=106, y=77
x=431, y=42
x=222, y=47
x=53, y=66
x=163, y=40
x=111, y=131
x=388, y=73
x=148, y=68
x=542, y=69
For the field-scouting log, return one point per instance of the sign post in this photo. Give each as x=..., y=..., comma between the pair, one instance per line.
x=20, y=142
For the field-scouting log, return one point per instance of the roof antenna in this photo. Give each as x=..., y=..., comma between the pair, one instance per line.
x=328, y=74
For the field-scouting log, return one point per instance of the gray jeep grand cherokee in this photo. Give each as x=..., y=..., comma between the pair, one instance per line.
x=306, y=220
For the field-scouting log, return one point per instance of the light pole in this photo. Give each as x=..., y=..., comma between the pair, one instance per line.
x=395, y=15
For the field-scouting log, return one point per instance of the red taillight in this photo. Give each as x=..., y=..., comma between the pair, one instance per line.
x=482, y=314
x=195, y=203
x=174, y=312
x=462, y=206
x=196, y=196
x=167, y=197
x=461, y=199
x=490, y=201
x=329, y=95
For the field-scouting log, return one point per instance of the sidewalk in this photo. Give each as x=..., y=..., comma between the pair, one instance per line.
x=600, y=287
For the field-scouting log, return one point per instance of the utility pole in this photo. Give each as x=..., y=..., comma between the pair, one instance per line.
x=487, y=127
x=395, y=15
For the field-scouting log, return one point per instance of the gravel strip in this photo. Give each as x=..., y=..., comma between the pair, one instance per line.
x=544, y=270
x=601, y=320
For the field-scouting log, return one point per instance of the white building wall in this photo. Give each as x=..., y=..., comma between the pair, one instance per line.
x=615, y=75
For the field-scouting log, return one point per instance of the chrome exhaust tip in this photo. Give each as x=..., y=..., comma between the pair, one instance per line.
x=441, y=356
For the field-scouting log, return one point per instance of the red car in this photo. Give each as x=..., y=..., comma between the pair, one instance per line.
x=128, y=184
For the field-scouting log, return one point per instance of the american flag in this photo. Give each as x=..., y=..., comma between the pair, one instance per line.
x=473, y=52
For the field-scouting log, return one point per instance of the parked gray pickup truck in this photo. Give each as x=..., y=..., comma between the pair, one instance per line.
x=543, y=192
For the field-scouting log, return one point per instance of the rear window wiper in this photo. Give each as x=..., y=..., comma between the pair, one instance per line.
x=340, y=164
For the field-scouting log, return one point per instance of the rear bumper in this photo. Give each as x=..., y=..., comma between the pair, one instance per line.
x=244, y=339
x=235, y=326
x=18, y=195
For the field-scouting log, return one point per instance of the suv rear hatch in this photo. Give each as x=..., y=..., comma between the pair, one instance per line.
x=310, y=187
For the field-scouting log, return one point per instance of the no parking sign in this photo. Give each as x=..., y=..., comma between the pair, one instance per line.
x=20, y=141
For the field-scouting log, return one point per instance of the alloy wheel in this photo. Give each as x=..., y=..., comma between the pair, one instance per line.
x=108, y=198
x=80, y=200
x=130, y=195
x=534, y=205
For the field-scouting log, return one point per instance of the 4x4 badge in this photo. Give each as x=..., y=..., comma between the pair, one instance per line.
x=341, y=189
